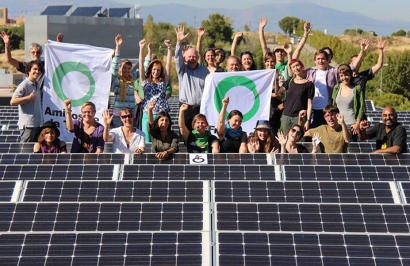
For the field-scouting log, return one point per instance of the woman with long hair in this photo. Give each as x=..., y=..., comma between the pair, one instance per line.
x=164, y=140
x=126, y=138
x=88, y=134
x=231, y=136
x=210, y=62
x=154, y=83
x=349, y=98
x=289, y=142
x=262, y=140
x=123, y=84
x=48, y=141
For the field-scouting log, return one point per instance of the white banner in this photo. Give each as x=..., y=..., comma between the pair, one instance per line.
x=79, y=72
x=248, y=91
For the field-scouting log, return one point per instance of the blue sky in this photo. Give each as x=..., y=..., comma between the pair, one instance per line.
x=379, y=9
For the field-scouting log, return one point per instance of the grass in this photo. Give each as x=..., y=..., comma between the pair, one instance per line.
x=16, y=54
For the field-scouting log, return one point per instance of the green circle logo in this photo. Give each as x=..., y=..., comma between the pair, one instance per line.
x=62, y=70
x=230, y=82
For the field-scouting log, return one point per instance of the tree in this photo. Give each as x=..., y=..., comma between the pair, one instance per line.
x=246, y=28
x=218, y=29
x=399, y=33
x=288, y=24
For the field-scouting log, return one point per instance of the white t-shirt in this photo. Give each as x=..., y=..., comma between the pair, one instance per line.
x=120, y=145
x=321, y=98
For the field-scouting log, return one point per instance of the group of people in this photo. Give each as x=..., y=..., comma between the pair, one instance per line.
x=322, y=103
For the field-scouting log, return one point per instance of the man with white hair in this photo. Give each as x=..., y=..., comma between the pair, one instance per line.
x=191, y=77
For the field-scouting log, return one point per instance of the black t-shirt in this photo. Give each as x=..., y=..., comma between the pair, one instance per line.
x=301, y=149
x=297, y=97
x=230, y=145
x=397, y=136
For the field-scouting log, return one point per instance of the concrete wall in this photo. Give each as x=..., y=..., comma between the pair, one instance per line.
x=10, y=79
x=97, y=31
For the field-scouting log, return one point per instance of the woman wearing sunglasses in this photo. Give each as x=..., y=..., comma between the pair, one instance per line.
x=127, y=138
x=288, y=143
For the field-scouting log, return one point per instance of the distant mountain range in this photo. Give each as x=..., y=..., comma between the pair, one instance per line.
x=322, y=18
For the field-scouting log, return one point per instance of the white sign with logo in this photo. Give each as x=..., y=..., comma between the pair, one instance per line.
x=78, y=72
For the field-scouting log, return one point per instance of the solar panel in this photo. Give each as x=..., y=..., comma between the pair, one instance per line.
x=313, y=192
x=55, y=10
x=341, y=159
x=198, y=172
x=86, y=11
x=287, y=217
x=219, y=158
x=58, y=172
x=346, y=173
x=74, y=158
x=8, y=138
x=369, y=105
x=106, y=248
x=259, y=248
x=116, y=12
x=10, y=147
x=405, y=189
x=112, y=191
x=92, y=217
x=7, y=190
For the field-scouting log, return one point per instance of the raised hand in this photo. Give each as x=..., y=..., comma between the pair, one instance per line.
x=315, y=141
x=225, y=100
x=307, y=27
x=253, y=145
x=151, y=105
x=288, y=48
x=168, y=43
x=142, y=43
x=180, y=31
x=184, y=107
x=149, y=46
x=274, y=150
x=59, y=37
x=201, y=31
x=281, y=138
x=364, y=44
x=364, y=124
x=118, y=40
x=238, y=35
x=340, y=118
x=107, y=117
x=263, y=22
x=380, y=43
x=67, y=103
x=5, y=37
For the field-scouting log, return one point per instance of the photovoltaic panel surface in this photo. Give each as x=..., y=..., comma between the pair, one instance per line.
x=86, y=11
x=99, y=248
x=198, y=172
x=260, y=248
x=116, y=12
x=352, y=218
x=314, y=192
x=405, y=188
x=346, y=173
x=6, y=190
x=342, y=159
x=114, y=191
x=92, y=217
x=67, y=158
x=219, y=158
x=55, y=10
x=57, y=172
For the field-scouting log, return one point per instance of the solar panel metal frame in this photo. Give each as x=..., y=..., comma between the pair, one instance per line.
x=64, y=158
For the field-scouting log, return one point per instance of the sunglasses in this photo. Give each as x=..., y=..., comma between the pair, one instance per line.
x=297, y=132
x=126, y=116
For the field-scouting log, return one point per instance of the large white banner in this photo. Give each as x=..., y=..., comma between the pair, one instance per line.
x=248, y=91
x=78, y=72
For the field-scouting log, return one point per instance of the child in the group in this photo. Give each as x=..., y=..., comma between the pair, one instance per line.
x=262, y=140
x=48, y=141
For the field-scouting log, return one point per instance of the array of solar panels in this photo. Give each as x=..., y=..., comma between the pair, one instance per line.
x=90, y=11
x=224, y=209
